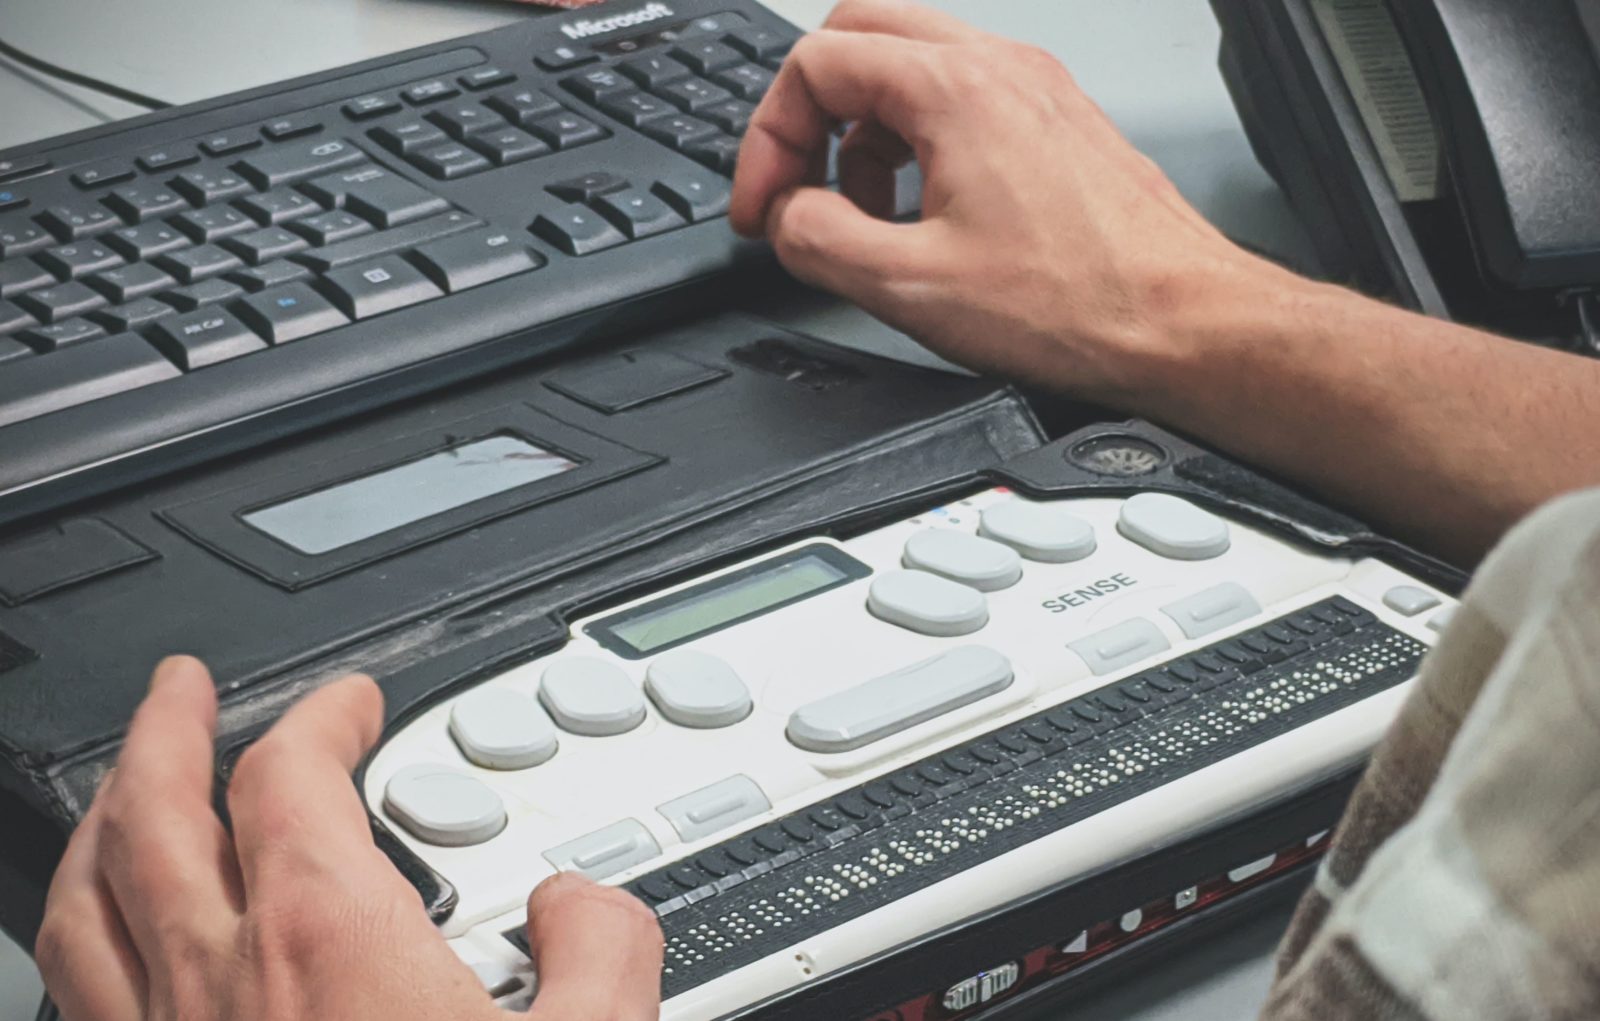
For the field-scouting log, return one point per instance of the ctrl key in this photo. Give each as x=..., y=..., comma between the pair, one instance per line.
x=441, y=806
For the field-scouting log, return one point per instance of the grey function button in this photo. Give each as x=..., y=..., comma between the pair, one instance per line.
x=714, y=808
x=591, y=696
x=927, y=604
x=1049, y=535
x=984, y=564
x=1409, y=600
x=606, y=852
x=894, y=702
x=1213, y=609
x=1173, y=528
x=441, y=806
x=498, y=728
x=694, y=689
x=1120, y=646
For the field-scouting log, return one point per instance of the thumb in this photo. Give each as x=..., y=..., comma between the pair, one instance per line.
x=826, y=240
x=598, y=952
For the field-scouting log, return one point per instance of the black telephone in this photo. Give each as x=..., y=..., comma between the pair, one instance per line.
x=1501, y=100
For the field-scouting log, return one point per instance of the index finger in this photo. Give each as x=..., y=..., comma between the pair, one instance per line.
x=898, y=17
x=830, y=77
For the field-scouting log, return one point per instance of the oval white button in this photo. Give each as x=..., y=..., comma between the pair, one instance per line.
x=927, y=604
x=694, y=689
x=591, y=696
x=982, y=563
x=1173, y=528
x=498, y=728
x=1048, y=535
x=438, y=805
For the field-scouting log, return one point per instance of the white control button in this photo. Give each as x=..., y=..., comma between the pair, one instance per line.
x=894, y=702
x=591, y=696
x=1213, y=609
x=927, y=604
x=1046, y=534
x=714, y=808
x=1409, y=600
x=606, y=852
x=981, y=563
x=1120, y=646
x=1442, y=619
x=1173, y=528
x=441, y=806
x=498, y=728
x=694, y=689
x=497, y=977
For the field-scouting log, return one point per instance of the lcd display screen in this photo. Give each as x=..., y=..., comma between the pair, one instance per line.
x=742, y=595
x=362, y=508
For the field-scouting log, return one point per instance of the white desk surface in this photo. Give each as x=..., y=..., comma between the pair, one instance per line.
x=1151, y=63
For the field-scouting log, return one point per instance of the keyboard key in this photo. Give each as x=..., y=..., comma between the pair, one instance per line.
x=732, y=116
x=137, y=203
x=203, y=338
x=363, y=107
x=694, y=95
x=636, y=108
x=170, y=158
x=747, y=81
x=291, y=312
x=370, y=246
x=430, y=92
x=409, y=136
x=10, y=199
x=567, y=130
x=66, y=333
x=562, y=56
x=146, y=241
x=760, y=43
x=693, y=195
x=80, y=374
x=19, y=236
x=18, y=276
x=638, y=213
x=206, y=292
x=326, y=228
x=718, y=152
x=130, y=282
x=205, y=185
x=708, y=56
x=122, y=318
x=101, y=174
x=63, y=301
x=485, y=78
x=448, y=162
x=74, y=261
x=588, y=187
x=213, y=223
x=285, y=164
x=374, y=288
x=463, y=120
x=578, y=231
x=13, y=318
x=470, y=260
x=679, y=130
x=190, y=265
x=74, y=221
x=270, y=274
x=509, y=145
x=375, y=194
x=293, y=126
x=225, y=143
x=21, y=166
x=279, y=205
x=523, y=107
x=654, y=72
x=596, y=83
x=12, y=349
x=265, y=244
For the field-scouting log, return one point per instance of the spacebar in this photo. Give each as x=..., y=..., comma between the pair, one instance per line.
x=76, y=375
x=370, y=246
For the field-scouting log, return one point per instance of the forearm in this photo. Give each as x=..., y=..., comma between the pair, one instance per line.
x=1441, y=434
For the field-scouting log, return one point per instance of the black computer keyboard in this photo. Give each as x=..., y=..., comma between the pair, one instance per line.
x=203, y=279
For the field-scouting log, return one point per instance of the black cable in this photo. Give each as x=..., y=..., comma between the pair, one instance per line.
x=28, y=60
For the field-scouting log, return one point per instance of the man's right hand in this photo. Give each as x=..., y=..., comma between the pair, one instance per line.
x=1049, y=248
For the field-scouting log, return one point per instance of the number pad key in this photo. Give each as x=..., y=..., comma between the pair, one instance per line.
x=75, y=221
x=637, y=213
